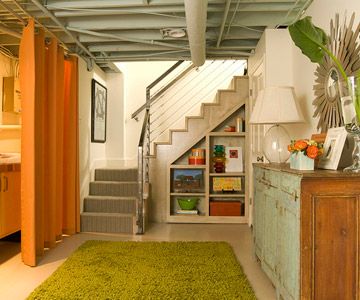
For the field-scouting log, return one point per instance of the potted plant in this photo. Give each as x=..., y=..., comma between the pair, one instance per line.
x=303, y=154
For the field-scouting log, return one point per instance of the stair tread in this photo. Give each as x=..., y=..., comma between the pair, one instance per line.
x=107, y=214
x=100, y=197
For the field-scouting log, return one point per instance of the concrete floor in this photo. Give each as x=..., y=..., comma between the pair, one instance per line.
x=17, y=281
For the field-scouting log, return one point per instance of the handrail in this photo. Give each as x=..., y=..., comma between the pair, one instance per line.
x=143, y=175
x=143, y=128
x=155, y=82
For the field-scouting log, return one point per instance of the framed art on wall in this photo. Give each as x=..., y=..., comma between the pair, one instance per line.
x=98, y=112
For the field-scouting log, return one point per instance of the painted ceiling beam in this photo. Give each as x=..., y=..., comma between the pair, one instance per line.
x=57, y=22
x=121, y=38
x=116, y=3
x=131, y=3
x=257, y=7
x=9, y=31
x=222, y=26
x=158, y=22
x=10, y=40
x=237, y=33
x=124, y=47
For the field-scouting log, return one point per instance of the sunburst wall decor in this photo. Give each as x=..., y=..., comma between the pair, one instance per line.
x=344, y=43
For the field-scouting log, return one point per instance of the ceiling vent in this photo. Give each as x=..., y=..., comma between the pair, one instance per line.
x=173, y=32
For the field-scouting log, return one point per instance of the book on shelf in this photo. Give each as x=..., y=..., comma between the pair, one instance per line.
x=187, y=212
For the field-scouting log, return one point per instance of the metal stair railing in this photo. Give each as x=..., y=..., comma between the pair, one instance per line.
x=144, y=146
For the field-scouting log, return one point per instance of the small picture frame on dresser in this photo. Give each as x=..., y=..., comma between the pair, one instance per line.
x=333, y=148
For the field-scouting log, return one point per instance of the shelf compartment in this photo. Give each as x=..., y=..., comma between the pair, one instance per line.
x=187, y=180
x=226, y=185
x=201, y=206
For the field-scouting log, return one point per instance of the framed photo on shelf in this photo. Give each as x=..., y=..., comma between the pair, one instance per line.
x=98, y=112
x=333, y=148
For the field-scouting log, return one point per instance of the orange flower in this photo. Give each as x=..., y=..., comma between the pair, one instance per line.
x=290, y=148
x=312, y=152
x=300, y=145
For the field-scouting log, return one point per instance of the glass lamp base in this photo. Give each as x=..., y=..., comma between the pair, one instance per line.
x=275, y=144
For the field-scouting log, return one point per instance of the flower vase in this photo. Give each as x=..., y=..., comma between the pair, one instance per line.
x=350, y=98
x=299, y=161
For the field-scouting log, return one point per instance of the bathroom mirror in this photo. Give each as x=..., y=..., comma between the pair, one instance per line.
x=10, y=104
x=343, y=42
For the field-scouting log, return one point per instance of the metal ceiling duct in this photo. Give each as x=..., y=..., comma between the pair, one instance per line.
x=196, y=15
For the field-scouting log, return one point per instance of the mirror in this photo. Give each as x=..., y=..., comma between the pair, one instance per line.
x=332, y=85
x=327, y=78
x=11, y=105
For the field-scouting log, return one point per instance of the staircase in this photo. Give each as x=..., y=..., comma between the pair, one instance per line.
x=118, y=198
x=111, y=205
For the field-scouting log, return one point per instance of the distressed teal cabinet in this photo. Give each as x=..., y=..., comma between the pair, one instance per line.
x=277, y=228
x=312, y=215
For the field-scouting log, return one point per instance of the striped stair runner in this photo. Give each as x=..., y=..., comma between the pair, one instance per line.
x=111, y=205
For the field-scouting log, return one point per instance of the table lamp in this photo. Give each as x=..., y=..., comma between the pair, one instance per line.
x=276, y=105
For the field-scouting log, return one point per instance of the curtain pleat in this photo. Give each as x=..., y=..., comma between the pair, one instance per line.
x=40, y=95
x=27, y=85
x=59, y=140
x=49, y=167
x=71, y=192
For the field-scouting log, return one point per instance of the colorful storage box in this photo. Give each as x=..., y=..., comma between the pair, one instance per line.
x=226, y=184
x=227, y=208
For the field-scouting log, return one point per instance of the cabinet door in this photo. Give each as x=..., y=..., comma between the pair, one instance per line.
x=259, y=211
x=330, y=234
x=10, y=202
x=270, y=232
x=289, y=247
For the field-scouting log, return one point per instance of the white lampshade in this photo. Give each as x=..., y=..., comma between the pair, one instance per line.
x=275, y=105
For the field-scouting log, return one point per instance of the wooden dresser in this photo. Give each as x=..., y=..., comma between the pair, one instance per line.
x=306, y=231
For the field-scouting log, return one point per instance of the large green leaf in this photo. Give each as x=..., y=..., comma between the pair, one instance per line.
x=310, y=39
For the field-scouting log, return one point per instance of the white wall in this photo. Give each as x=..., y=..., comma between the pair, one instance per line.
x=110, y=153
x=137, y=76
x=322, y=11
x=114, y=150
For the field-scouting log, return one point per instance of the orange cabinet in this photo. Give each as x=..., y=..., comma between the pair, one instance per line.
x=9, y=203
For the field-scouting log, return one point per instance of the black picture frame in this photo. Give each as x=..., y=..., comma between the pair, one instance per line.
x=98, y=112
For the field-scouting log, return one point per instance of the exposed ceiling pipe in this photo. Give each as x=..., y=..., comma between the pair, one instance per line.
x=55, y=20
x=196, y=15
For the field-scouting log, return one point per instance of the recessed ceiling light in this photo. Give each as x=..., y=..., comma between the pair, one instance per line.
x=173, y=32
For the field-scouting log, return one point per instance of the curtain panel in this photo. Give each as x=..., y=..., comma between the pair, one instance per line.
x=49, y=143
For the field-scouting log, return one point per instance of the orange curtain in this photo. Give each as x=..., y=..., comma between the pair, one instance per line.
x=49, y=167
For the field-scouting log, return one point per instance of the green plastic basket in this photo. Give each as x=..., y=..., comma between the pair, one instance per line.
x=187, y=203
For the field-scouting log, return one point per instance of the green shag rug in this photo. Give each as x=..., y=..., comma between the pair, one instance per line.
x=148, y=270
